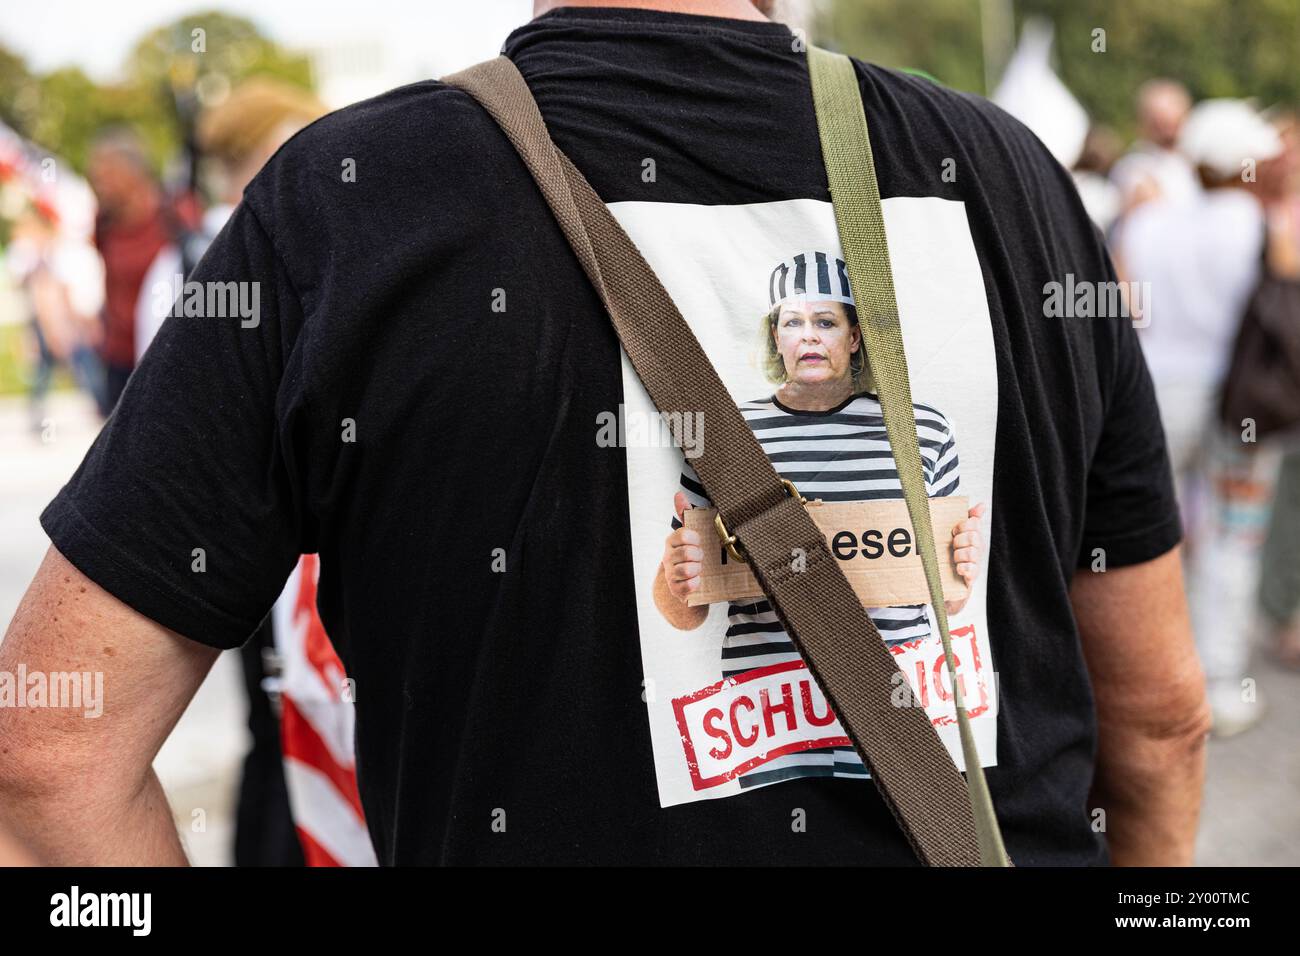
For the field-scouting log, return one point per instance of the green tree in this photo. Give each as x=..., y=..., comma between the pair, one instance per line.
x=18, y=93
x=71, y=108
x=1217, y=47
x=211, y=46
x=1237, y=48
x=940, y=37
x=167, y=75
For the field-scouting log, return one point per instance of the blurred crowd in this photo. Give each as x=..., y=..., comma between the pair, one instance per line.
x=1202, y=216
x=1203, y=210
x=92, y=262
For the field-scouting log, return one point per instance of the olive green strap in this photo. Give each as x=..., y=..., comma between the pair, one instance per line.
x=855, y=195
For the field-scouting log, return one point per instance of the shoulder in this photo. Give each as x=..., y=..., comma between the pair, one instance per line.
x=868, y=403
x=931, y=140
x=864, y=403
x=929, y=417
x=944, y=116
x=761, y=406
x=398, y=164
x=1133, y=166
x=383, y=146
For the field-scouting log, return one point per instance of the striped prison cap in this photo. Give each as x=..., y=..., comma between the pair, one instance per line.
x=809, y=277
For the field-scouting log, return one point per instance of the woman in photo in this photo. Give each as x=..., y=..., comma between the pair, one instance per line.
x=823, y=430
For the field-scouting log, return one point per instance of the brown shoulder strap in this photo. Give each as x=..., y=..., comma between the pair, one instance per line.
x=818, y=608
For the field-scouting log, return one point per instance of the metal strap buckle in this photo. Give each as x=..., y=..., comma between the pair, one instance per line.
x=729, y=539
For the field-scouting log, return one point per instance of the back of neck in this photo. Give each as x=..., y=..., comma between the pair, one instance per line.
x=733, y=9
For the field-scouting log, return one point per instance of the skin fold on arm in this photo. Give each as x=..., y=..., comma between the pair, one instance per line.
x=81, y=790
x=1152, y=714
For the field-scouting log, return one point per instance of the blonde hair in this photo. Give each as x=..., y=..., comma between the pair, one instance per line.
x=251, y=113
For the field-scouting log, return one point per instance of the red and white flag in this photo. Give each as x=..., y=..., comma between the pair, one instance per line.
x=316, y=730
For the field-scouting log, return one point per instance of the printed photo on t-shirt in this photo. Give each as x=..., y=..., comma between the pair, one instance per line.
x=764, y=287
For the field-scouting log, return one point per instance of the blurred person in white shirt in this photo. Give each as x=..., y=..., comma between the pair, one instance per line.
x=1202, y=259
x=1155, y=168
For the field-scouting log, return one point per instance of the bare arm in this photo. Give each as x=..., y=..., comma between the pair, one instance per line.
x=81, y=790
x=1152, y=714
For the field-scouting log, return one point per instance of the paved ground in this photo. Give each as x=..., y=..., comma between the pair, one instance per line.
x=1251, y=814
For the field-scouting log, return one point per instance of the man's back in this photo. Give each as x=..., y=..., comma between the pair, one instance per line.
x=421, y=400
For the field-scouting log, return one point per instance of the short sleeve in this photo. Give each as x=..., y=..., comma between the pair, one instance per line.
x=694, y=491
x=183, y=508
x=1131, y=512
x=944, y=478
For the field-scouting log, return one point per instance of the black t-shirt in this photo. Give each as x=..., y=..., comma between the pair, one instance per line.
x=417, y=403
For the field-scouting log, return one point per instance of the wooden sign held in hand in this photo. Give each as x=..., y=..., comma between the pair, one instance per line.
x=872, y=540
